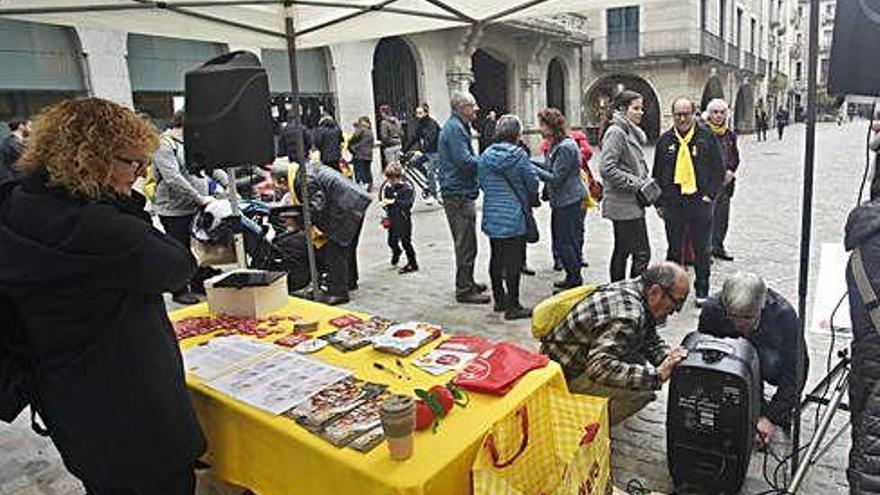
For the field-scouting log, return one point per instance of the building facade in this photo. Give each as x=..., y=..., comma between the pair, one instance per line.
x=518, y=67
x=701, y=49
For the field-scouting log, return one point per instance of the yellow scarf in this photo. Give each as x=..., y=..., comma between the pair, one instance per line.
x=317, y=236
x=719, y=130
x=685, y=175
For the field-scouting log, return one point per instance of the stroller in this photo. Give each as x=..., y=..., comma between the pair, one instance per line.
x=416, y=173
x=269, y=243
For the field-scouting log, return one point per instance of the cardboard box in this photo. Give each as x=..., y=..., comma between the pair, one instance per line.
x=254, y=301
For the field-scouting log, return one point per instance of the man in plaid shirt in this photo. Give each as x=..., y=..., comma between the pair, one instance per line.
x=606, y=341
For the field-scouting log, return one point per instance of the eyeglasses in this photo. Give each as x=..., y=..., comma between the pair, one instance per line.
x=133, y=163
x=678, y=303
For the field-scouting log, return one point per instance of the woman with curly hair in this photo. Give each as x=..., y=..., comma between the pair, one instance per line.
x=561, y=171
x=82, y=271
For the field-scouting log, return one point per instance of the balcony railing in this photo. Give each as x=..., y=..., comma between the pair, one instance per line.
x=749, y=61
x=712, y=46
x=733, y=55
x=623, y=51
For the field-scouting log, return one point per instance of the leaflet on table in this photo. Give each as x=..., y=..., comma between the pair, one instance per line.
x=222, y=355
x=452, y=355
x=334, y=401
x=279, y=382
x=403, y=338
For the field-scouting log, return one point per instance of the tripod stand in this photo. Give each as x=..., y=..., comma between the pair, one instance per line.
x=838, y=377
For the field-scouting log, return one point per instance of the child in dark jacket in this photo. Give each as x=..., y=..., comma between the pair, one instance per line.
x=397, y=199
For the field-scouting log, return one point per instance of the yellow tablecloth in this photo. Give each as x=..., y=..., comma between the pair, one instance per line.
x=273, y=455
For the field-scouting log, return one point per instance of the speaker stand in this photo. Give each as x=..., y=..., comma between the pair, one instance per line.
x=238, y=237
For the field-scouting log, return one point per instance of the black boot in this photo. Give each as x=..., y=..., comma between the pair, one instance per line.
x=410, y=267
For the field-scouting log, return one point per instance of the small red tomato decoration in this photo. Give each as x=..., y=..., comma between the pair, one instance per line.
x=424, y=416
x=444, y=396
x=404, y=333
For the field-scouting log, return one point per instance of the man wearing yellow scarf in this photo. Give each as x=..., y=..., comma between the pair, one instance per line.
x=689, y=167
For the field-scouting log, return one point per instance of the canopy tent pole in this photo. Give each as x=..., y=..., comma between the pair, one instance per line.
x=806, y=217
x=298, y=145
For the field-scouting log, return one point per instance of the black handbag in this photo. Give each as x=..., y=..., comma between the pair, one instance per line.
x=532, y=234
x=649, y=193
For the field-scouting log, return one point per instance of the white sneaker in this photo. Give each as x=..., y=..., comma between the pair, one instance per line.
x=700, y=301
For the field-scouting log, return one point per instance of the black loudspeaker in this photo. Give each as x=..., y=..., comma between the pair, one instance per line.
x=853, y=68
x=714, y=404
x=228, y=120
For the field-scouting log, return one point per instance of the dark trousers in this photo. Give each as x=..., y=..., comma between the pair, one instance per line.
x=697, y=215
x=720, y=220
x=400, y=234
x=179, y=229
x=181, y=482
x=505, y=262
x=567, y=229
x=342, y=269
x=462, y=217
x=630, y=239
x=781, y=129
x=363, y=173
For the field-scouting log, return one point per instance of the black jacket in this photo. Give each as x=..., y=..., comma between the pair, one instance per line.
x=863, y=232
x=426, y=135
x=10, y=151
x=708, y=165
x=86, y=279
x=338, y=204
x=775, y=340
x=286, y=142
x=328, y=141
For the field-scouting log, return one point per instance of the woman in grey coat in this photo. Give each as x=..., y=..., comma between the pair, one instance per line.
x=624, y=170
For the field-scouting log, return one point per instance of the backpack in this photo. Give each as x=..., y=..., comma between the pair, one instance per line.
x=549, y=313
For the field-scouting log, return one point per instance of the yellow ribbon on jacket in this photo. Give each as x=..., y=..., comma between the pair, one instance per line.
x=318, y=238
x=685, y=175
x=719, y=130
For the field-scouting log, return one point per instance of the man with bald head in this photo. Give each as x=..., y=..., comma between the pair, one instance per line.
x=689, y=167
x=605, y=343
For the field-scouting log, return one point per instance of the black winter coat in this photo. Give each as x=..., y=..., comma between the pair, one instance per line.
x=86, y=280
x=708, y=165
x=426, y=136
x=863, y=232
x=328, y=140
x=338, y=204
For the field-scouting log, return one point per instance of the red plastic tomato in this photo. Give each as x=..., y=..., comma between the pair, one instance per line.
x=424, y=416
x=442, y=395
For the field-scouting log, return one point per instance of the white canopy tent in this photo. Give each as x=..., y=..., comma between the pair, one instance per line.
x=261, y=23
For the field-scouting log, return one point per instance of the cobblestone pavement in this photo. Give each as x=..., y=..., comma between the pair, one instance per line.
x=764, y=236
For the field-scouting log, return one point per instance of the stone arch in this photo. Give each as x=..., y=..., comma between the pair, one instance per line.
x=744, y=109
x=602, y=91
x=492, y=78
x=395, y=77
x=556, y=85
x=713, y=89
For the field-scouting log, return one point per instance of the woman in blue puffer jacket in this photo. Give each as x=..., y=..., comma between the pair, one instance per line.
x=508, y=182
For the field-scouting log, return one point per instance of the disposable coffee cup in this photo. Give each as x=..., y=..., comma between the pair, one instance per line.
x=398, y=416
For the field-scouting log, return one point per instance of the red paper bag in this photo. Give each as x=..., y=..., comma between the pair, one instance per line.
x=497, y=369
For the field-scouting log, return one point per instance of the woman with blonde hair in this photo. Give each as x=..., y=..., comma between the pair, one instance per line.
x=82, y=272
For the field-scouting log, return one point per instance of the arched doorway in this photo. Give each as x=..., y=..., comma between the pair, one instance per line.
x=490, y=86
x=394, y=78
x=712, y=90
x=556, y=85
x=744, y=109
x=602, y=92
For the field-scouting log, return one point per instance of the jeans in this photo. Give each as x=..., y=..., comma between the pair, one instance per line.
x=179, y=229
x=363, y=173
x=567, y=229
x=505, y=262
x=697, y=214
x=720, y=220
x=630, y=239
x=462, y=217
x=181, y=482
x=431, y=167
x=400, y=234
